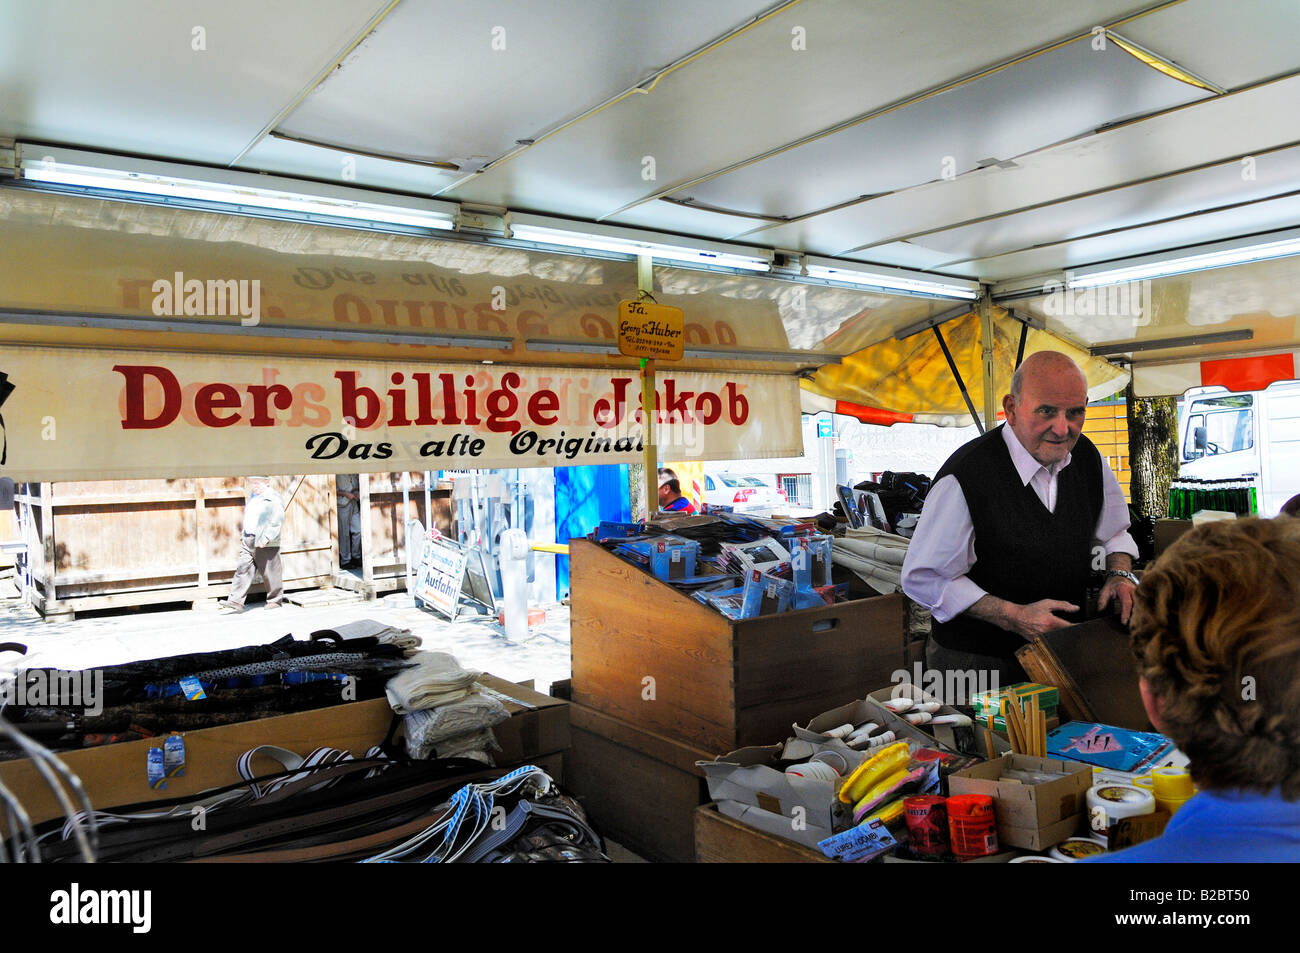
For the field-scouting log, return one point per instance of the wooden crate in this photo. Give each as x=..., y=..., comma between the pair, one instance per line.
x=724, y=840
x=639, y=788
x=646, y=654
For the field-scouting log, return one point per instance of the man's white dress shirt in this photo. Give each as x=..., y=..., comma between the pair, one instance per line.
x=942, y=550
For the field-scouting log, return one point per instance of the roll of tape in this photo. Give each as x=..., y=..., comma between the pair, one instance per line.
x=1108, y=803
x=834, y=759
x=814, y=771
x=1172, y=784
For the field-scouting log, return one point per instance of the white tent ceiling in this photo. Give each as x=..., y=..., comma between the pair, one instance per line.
x=995, y=141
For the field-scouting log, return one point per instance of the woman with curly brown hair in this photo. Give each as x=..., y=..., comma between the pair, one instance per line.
x=1216, y=632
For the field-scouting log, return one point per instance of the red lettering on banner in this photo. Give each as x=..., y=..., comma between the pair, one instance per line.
x=352, y=394
x=502, y=404
x=212, y=397
x=676, y=410
x=345, y=304
x=135, y=415
x=610, y=415
x=262, y=417
x=709, y=406
x=307, y=397
x=737, y=404
x=543, y=407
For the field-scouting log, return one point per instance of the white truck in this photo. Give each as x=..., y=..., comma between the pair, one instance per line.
x=1226, y=435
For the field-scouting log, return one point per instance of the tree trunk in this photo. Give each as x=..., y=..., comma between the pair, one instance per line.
x=1152, y=451
x=636, y=490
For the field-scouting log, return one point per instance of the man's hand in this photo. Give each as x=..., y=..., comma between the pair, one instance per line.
x=1029, y=621
x=1038, y=618
x=1121, y=590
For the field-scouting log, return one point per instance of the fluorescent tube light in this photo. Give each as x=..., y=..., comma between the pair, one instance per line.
x=195, y=190
x=887, y=282
x=581, y=240
x=1218, y=258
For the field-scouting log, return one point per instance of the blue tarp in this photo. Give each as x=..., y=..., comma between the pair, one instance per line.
x=583, y=497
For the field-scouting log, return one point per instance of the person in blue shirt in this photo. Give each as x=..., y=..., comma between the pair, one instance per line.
x=670, y=494
x=1216, y=631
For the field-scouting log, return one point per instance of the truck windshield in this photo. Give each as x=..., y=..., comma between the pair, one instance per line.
x=1219, y=425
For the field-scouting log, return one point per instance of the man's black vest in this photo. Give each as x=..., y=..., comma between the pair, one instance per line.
x=1023, y=553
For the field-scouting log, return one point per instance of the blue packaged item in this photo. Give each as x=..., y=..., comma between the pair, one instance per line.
x=669, y=557
x=611, y=530
x=730, y=602
x=1107, y=746
x=765, y=594
x=807, y=599
x=810, y=559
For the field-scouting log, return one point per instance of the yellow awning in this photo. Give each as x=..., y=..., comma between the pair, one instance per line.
x=909, y=381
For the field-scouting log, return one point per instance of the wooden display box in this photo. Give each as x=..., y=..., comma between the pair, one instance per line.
x=646, y=654
x=114, y=775
x=639, y=788
x=724, y=840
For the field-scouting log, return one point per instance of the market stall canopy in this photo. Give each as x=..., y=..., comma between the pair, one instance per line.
x=82, y=271
x=911, y=381
x=961, y=142
x=1237, y=326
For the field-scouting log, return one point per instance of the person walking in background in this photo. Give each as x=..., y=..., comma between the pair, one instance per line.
x=260, y=546
x=349, y=497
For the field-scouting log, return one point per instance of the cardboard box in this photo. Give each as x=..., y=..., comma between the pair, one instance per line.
x=946, y=734
x=723, y=840
x=748, y=786
x=1167, y=532
x=1032, y=816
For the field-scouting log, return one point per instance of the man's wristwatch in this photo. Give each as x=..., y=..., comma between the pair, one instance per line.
x=1122, y=574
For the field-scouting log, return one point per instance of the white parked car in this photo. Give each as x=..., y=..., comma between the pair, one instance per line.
x=742, y=491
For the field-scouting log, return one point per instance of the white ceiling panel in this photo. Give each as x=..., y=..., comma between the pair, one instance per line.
x=1056, y=96
x=464, y=82
x=1261, y=217
x=126, y=77
x=671, y=217
x=1230, y=44
x=757, y=93
x=1257, y=119
x=1184, y=196
x=909, y=255
x=345, y=168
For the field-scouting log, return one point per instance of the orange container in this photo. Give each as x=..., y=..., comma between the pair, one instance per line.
x=927, y=825
x=972, y=826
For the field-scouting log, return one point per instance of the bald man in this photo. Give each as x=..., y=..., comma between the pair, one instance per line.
x=1013, y=526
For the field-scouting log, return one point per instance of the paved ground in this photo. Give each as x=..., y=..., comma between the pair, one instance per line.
x=107, y=640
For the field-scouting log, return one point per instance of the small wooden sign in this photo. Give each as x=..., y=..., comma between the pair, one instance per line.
x=646, y=329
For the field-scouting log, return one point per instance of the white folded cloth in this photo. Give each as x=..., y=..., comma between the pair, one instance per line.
x=431, y=732
x=875, y=556
x=436, y=679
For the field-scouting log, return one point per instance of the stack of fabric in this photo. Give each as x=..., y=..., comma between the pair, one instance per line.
x=875, y=556
x=446, y=715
